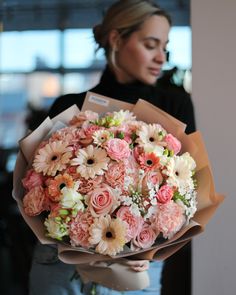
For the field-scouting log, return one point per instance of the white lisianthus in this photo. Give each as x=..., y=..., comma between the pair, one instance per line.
x=123, y=116
x=55, y=228
x=72, y=199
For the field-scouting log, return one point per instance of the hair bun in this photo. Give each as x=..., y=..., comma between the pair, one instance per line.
x=97, y=33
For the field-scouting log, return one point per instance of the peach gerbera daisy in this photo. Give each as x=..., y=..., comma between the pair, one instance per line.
x=91, y=161
x=149, y=161
x=52, y=157
x=55, y=185
x=108, y=235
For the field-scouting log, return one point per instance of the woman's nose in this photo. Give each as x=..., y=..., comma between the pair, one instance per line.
x=160, y=56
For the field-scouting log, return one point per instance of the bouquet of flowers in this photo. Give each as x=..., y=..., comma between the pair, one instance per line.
x=110, y=182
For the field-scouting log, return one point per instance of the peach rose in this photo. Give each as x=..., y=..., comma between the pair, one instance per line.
x=90, y=184
x=165, y=194
x=32, y=179
x=101, y=201
x=134, y=223
x=173, y=143
x=35, y=201
x=145, y=238
x=117, y=149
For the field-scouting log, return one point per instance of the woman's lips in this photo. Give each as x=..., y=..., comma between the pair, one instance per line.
x=154, y=71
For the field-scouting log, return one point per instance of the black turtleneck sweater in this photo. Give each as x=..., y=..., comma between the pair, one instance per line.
x=172, y=99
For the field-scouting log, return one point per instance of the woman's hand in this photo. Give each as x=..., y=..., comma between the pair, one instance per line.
x=138, y=265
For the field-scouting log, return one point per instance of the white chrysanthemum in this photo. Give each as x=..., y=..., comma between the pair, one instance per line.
x=191, y=163
x=91, y=161
x=150, y=136
x=108, y=235
x=56, y=229
x=123, y=116
x=101, y=136
x=179, y=173
x=71, y=198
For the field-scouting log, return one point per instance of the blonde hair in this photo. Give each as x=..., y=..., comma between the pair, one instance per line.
x=125, y=16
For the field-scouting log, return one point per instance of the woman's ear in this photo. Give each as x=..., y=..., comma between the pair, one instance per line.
x=114, y=39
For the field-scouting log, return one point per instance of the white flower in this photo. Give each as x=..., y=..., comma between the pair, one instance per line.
x=123, y=116
x=91, y=161
x=71, y=199
x=150, y=137
x=56, y=229
x=100, y=137
x=179, y=173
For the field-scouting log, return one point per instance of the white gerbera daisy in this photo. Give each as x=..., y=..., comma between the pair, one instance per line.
x=180, y=174
x=91, y=161
x=108, y=235
x=123, y=116
x=101, y=136
x=150, y=137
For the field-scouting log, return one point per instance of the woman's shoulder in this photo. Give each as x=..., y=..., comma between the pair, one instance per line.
x=63, y=102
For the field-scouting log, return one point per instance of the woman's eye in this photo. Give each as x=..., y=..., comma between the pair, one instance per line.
x=150, y=46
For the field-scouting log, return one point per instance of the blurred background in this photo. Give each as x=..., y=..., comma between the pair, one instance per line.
x=47, y=49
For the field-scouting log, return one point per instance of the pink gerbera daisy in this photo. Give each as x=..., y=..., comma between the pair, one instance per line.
x=149, y=161
x=52, y=157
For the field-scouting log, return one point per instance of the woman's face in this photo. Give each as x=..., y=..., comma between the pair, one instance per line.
x=142, y=55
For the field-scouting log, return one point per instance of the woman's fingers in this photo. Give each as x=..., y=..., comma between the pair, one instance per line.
x=138, y=265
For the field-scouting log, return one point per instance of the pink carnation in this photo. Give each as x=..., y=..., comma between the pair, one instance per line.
x=165, y=194
x=115, y=174
x=145, y=238
x=173, y=143
x=35, y=201
x=117, y=149
x=101, y=201
x=134, y=223
x=32, y=179
x=87, y=185
x=79, y=230
x=170, y=218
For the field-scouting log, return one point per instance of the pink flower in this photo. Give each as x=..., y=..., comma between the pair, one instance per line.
x=35, y=201
x=79, y=229
x=90, y=184
x=149, y=161
x=151, y=179
x=170, y=218
x=145, y=238
x=101, y=201
x=117, y=149
x=165, y=194
x=173, y=143
x=32, y=179
x=134, y=223
x=115, y=174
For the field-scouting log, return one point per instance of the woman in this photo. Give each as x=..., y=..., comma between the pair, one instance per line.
x=134, y=34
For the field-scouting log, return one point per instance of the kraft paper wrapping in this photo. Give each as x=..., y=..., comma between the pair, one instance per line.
x=112, y=271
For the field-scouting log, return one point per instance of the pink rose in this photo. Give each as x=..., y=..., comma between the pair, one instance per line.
x=35, y=201
x=145, y=238
x=117, y=149
x=32, y=179
x=115, y=174
x=170, y=218
x=165, y=194
x=79, y=229
x=134, y=223
x=102, y=201
x=173, y=143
